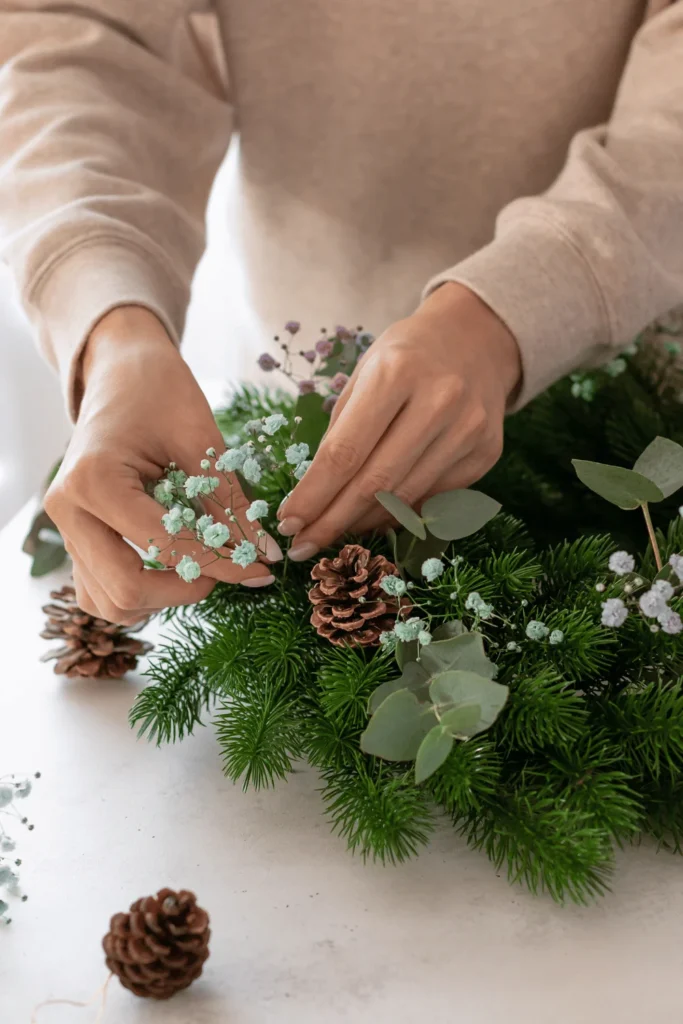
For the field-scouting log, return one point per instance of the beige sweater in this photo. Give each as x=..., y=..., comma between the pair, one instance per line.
x=531, y=149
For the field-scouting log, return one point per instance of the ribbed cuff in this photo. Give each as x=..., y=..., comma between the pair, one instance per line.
x=88, y=282
x=540, y=285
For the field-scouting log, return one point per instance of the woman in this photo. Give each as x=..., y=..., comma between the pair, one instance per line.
x=384, y=151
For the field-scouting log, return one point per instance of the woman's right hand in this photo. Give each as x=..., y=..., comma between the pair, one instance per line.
x=141, y=410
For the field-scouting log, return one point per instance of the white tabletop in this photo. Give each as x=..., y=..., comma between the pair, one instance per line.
x=303, y=933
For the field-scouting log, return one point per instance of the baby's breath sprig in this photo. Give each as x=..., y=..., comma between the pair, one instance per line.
x=653, y=603
x=332, y=360
x=13, y=788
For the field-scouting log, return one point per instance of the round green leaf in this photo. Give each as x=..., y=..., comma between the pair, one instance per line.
x=403, y=513
x=413, y=678
x=433, y=751
x=406, y=651
x=462, y=721
x=398, y=727
x=457, y=688
x=662, y=464
x=457, y=514
x=460, y=652
x=448, y=630
x=623, y=487
x=48, y=557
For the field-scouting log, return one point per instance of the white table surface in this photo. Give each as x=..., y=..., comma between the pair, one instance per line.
x=302, y=931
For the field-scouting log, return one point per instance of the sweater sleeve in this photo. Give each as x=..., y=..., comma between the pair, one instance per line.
x=578, y=271
x=112, y=126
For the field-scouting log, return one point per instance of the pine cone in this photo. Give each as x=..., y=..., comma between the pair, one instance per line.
x=350, y=606
x=160, y=945
x=92, y=647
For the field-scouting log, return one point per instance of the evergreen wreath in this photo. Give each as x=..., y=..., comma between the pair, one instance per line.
x=531, y=688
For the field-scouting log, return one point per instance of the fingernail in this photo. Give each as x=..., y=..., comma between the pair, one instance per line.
x=302, y=552
x=282, y=505
x=288, y=527
x=259, y=581
x=272, y=549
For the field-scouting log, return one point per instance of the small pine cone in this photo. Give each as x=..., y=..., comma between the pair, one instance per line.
x=91, y=647
x=160, y=945
x=350, y=607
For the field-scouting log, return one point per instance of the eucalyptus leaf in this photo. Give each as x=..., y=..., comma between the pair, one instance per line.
x=667, y=573
x=392, y=537
x=462, y=721
x=448, y=630
x=314, y=420
x=662, y=463
x=413, y=678
x=411, y=553
x=48, y=556
x=402, y=513
x=457, y=514
x=458, y=687
x=433, y=751
x=406, y=651
x=40, y=521
x=460, y=652
x=398, y=727
x=623, y=487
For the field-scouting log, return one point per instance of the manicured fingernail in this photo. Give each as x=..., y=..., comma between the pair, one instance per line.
x=282, y=505
x=272, y=549
x=259, y=581
x=302, y=552
x=288, y=527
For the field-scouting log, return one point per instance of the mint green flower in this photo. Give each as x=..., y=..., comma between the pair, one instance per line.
x=188, y=569
x=173, y=520
x=297, y=453
x=189, y=516
x=302, y=468
x=215, y=536
x=164, y=494
x=196, y=485
x=244, y=554
x=424, y=637
x=272, y=424
x=393, y=585
x=203, y=523
x=556, y=637
x=432, y=568
x=153, y=551
x=251, y=470
x=257, y=510
x=388, y=641
x=409, y=630
x=232, y=459
x=536, y=630
x=253, y=427
x=205, y=464
x=177, y=477
x=476, y=603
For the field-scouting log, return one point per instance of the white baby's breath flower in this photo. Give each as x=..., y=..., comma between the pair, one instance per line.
x=272, y=424
x=432, y=568
x=670, y=621
x=536, y=630
x=196, y=485
x=614, y=612
x=621, y=563
x=153, y=551
x=172, y=521
x=297, y=453
x=251, y=470
x=676, y=563
x=302, y=468
x=231, y=460
x=393, y=585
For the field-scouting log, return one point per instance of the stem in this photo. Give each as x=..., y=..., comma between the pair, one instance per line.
x=653, y=538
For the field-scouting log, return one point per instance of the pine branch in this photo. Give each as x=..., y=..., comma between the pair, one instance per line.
x=543, y=711
x=260, y=736
x=346, y=679
x=171, y=707
x=468, y=779
x=382, y=816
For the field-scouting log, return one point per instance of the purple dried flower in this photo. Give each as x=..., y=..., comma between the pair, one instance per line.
x=324, y=347
x=339, y=382
x=267, y=362
x=306, y=387
x=330, y=402
x=293, y=326
x=343, y=332
x=309, y=356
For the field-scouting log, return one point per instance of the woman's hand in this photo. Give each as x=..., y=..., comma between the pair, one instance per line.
x=422, y=413
x=141, y=410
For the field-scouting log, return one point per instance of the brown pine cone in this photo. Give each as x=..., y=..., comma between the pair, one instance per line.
x=91, y=647
x=350, y=606
x=160, y=945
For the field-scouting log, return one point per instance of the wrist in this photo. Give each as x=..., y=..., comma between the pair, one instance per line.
x=125, y=332
x=459, y=309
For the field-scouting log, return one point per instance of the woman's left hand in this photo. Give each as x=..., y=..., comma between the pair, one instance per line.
x=422, y=413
